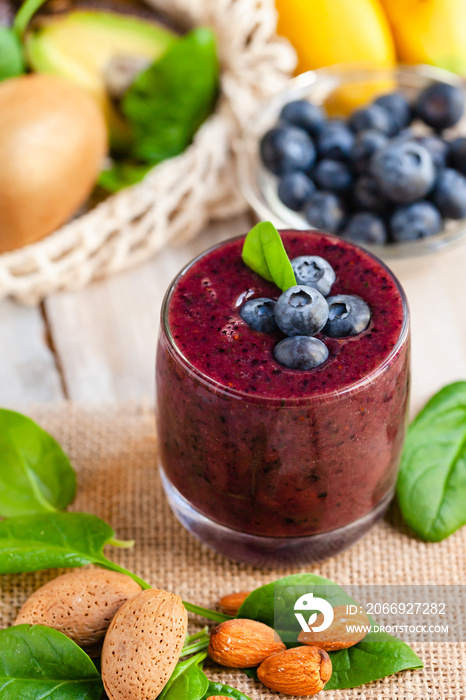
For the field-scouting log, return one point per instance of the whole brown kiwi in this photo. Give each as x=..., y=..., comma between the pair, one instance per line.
x=53, y=140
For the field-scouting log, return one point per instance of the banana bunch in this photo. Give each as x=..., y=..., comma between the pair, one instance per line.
x=327, y=32
x=429, y=31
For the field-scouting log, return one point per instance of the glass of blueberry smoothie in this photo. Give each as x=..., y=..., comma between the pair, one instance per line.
x=282, y=394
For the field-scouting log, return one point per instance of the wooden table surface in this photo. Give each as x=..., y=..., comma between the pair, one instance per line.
x=98, y=345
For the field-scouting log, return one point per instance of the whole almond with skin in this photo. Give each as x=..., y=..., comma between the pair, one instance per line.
x=143, y=645
x=338, y=635
x=80, y=604
x=230, y=604
x=242, y=643
x=299, y=671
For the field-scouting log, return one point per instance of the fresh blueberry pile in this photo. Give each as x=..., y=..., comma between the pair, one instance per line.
x=372, y=178
x=305, y=310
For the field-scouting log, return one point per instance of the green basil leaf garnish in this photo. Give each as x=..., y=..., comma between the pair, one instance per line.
x=38, y=662
x=35, y=474
x=432, y=481
x=376, y=656
x=263, y=252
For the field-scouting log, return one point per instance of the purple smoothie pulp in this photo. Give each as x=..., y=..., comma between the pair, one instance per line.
x=263, y=449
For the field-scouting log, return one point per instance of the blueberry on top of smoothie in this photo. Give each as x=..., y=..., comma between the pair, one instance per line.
x=259, y=314
x=301, y=310
x=301, y=352
x=314, y=271
x=347, y=315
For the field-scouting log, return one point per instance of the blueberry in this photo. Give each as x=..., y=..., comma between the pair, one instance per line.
x=449, y=194
x=437, y=148
x=403, y=171
x=285, y=149
x=324, y=211
x=314, y=271
x=301, y=310
x=414, y=221
x=367, y=196
x=294, y=189
x=365, y=145
x=365, y=227
x=440, y=105
x=332, y=175
x=457, y=154
x=398, y=107
x=306, y=115
x=335, y=140
x=347, y=315
x=259, y=314
x=300, y=352
x=372, y=117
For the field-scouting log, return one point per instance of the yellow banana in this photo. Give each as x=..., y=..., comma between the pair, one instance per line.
x=325, y=32
x=429, y=31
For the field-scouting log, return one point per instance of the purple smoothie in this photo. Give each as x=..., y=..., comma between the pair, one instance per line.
x=269, y=451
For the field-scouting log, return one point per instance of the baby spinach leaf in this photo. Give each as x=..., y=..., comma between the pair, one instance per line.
x=122, y=174
x=432, y=481
x=168, y=102
x=38, y=662
x=378, y=655
x=35, y=474
x=263, y=252
x=51, y=541
x=262, y=603
x=11, y=54
x=187, y=680
x=225, y=690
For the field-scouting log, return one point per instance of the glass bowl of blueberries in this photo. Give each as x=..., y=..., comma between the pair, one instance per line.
x=377, y=156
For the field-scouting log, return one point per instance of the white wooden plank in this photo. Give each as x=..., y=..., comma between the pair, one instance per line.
x=436, y=287
x=28, y=373
x=105, y=335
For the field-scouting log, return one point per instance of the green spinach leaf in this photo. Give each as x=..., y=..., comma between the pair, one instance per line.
x=51, y=541
x=263, y=252
x=35, y=474
x=122, y=174
x=187, y=680
x=11, y=54
x=169, y=101
x=432, y=481
x=265, y=605
x=38, y=662
x=226, y=690
x=378, y=655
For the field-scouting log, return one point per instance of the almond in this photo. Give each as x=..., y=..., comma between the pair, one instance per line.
x=81, y=604
x=338, y=636
x=298, y=671
x=242, y=643
x=143, y=645
x=230, y=604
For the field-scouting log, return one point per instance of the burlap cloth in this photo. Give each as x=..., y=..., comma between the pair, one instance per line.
x=114, y=452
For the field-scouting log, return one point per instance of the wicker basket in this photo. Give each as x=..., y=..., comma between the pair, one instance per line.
x=179, y=196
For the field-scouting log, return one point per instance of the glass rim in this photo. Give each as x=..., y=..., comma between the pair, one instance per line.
x=221, y=389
